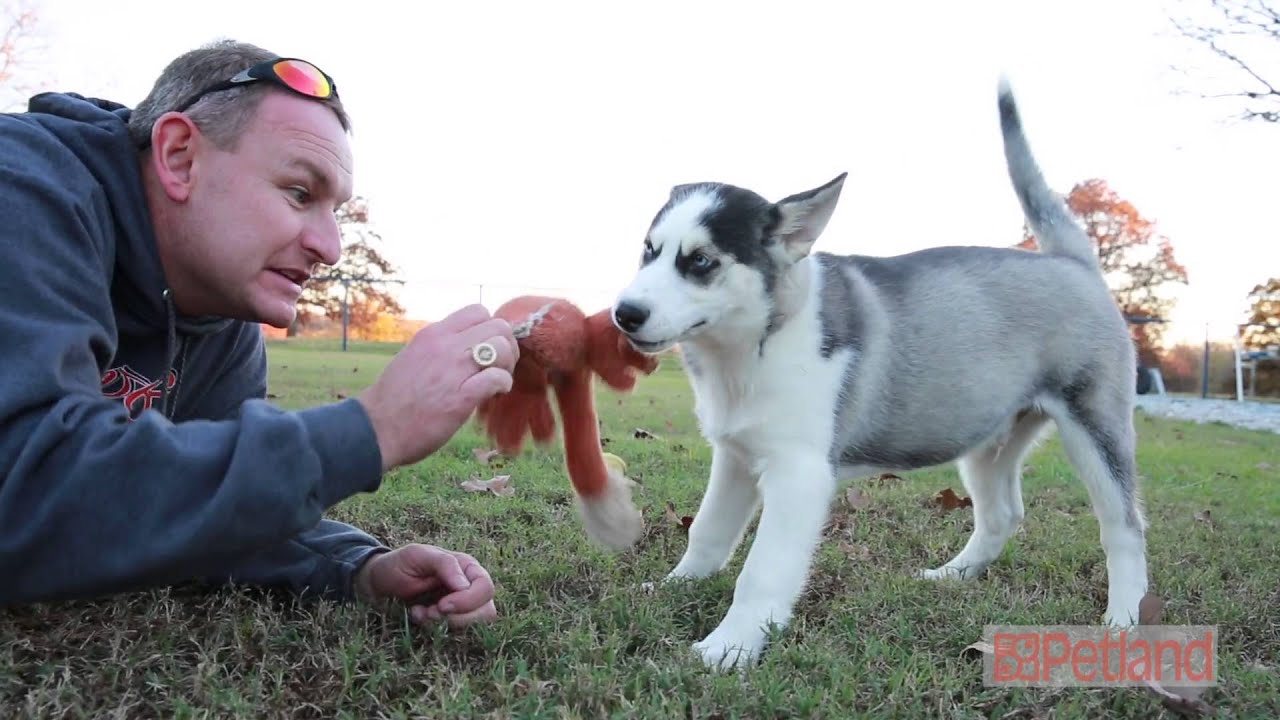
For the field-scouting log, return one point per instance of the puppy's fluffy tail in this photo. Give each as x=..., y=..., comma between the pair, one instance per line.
x=1057, y=230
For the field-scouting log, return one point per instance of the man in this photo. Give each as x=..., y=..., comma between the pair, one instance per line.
x=139, y=250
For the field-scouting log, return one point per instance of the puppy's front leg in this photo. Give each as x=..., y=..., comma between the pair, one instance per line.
x=796, y=492
x=722, y=518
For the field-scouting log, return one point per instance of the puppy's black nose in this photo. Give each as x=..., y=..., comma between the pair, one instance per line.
x=629, y=316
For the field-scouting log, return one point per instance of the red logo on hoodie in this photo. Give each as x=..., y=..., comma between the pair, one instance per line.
x=135, y=390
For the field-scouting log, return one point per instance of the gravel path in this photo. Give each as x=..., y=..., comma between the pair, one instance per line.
x=1248, y=414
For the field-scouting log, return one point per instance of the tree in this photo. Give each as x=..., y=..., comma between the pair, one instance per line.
x=1137, y=262
x=1244, y=37
x=1263, y=322
x=17, y=47
x=1262, y=332
x=362, y=278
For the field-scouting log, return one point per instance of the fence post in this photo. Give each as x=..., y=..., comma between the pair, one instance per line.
x=346, y=310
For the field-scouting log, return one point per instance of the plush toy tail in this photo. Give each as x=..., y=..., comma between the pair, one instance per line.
x=603, y=493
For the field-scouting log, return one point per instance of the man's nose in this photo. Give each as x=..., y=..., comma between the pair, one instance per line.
x=323, y=242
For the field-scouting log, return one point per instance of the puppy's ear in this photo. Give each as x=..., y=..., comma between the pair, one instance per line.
x=802, y=217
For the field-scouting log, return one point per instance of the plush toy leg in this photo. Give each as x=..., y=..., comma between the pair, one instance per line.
x=603, y=493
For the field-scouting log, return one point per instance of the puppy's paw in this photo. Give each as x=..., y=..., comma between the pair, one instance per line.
x=950, y=572
x=728, y=649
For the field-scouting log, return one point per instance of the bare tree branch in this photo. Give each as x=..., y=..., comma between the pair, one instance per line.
x=1245, y=36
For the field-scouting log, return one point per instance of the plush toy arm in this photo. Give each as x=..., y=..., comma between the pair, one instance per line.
x=611, y=356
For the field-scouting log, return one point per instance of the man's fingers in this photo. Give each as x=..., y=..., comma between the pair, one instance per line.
x=474, y=597
x=485, y=613
x=438, y=569
x=487, y=383
x=487, y=330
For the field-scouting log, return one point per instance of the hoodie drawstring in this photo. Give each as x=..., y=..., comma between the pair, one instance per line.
x=171, y=339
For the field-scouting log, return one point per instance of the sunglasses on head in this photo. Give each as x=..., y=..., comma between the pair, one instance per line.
x=292, y=74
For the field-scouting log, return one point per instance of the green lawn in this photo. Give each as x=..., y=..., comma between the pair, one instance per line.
x=578, y=639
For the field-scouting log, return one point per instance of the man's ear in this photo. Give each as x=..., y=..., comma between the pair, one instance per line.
x=802, y=217
x=173, y=149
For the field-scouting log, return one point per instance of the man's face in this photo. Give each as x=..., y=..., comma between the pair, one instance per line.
x=261, y=216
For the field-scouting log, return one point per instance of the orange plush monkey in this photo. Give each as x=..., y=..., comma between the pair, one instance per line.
x=561, y=348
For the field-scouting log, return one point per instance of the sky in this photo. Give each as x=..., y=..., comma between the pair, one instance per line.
x=511, y=147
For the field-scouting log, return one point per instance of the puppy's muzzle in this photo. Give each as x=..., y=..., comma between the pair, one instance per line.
x=630, y=317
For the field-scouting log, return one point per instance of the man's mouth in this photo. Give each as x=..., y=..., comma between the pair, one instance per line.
x=297, y=277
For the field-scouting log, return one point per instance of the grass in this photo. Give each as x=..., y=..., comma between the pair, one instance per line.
x=578, y=640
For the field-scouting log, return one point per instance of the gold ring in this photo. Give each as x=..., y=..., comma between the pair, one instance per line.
x=484, y=354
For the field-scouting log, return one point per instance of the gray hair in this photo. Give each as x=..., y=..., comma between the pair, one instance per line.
x=221, y=116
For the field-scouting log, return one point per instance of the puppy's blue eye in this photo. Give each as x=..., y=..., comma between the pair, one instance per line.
x=701, y=261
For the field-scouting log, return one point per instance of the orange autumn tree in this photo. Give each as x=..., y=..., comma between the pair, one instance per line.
x=363, y=277
x=1137, y=261
x=1262, y=332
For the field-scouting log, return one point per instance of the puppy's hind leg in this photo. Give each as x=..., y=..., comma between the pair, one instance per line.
x=993, y=476
x=1098, y=436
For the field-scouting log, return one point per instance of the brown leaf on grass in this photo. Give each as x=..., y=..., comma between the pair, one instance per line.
x=1182, y=700
x=340, y=395
x=498, y=485
x=948, y=500
x=485, y=455
x=978, y=649
x=884, y=478
x=1205, y=517
x=676, y=519
x=1150, y=609
x=643, y=434
x=670, y=426
x=857, y=499
x=857, y=552
x=272, y=396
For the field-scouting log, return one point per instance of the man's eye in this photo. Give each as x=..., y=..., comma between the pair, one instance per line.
x=300, y=194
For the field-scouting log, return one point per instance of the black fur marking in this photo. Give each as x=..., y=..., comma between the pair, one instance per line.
x=697, y=267
x=842, y=325
x=1074, y=392
x=741, y=224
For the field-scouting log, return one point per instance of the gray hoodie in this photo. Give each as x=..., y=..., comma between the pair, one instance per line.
x=136, y=445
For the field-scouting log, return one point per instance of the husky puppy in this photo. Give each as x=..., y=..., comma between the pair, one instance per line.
x=811, y=368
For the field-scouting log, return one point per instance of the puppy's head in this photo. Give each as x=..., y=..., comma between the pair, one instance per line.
x=712, y=259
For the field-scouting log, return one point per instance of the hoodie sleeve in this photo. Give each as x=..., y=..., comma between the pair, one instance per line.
x=322, y=559
x=92, y=503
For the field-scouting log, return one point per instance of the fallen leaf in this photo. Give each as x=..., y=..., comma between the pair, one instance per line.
x=1264, y=466
x=340, y=395
x=857, y=552
x=978, y=649
x=485, y=455
x=1205, y=517
x=498, y=485
x=355, y=369
x=675, y=518
x=857, y=499
x=888, y=477
x=670, y=426
x=1184, y=700
x=1150, y=609
x=950, y=501
x=645, y=434
x=272, y=396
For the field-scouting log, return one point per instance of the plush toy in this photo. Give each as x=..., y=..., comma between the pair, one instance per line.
x=561, y=350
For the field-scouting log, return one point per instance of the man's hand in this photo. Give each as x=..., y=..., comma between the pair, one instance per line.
x=435, y=583
x=433, y=385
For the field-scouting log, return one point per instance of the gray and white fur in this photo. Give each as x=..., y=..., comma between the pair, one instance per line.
x=810, y=368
